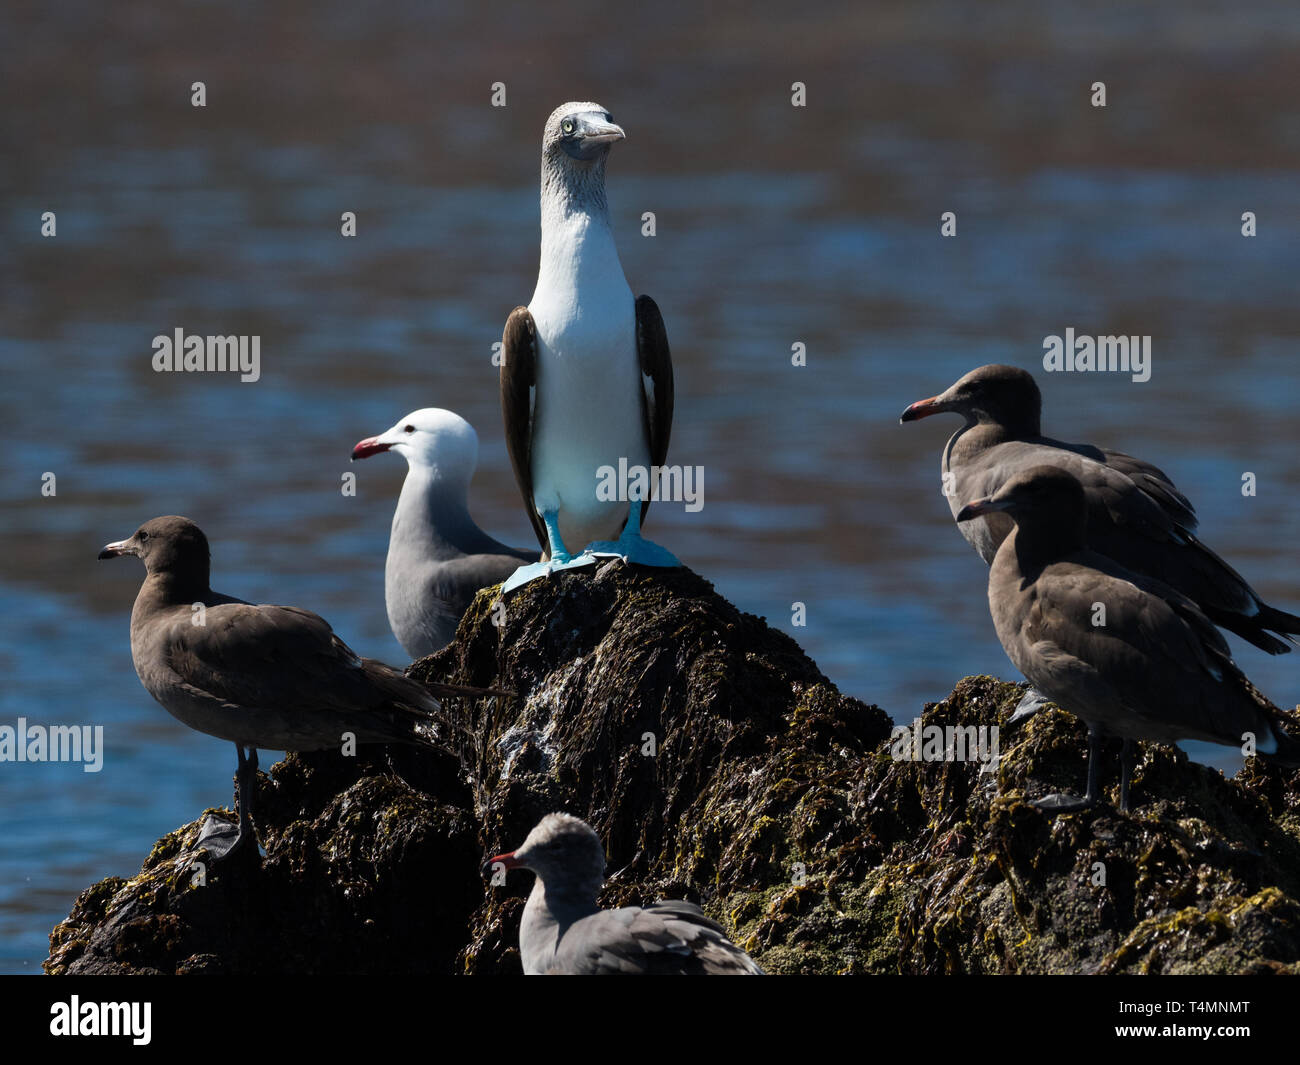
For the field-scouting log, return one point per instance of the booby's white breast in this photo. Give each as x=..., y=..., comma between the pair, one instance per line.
x=587, y=411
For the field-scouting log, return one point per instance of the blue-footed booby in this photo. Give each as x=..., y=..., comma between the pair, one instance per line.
x=274, y=677
x=1136, y=515
x=564, y=932
x=586, y=378
x=1151, y=666
x=438, y=558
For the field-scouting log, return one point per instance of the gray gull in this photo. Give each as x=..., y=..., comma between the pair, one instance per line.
x=564, y=932
x=438, y=558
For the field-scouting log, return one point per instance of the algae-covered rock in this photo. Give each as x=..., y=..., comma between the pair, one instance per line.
x=1203, y=876
x=717, y=764
x=363, y=873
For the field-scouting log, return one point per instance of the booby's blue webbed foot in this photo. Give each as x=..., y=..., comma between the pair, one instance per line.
x=636, y=549
x=631, y=546
x=531, y=572
x=560, y=558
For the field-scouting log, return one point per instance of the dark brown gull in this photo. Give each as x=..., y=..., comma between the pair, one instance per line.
x=275, y=677
x=1136, y=515
x=1129, y=655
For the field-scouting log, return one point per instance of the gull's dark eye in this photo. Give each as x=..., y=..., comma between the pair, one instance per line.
x=143, y=536
x=408, y=428
x=567, y=125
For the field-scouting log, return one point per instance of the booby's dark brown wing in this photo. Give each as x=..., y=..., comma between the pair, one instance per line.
x=518, y=381
x=656, y=380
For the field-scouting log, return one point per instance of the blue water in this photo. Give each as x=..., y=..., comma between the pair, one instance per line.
x=774, y=227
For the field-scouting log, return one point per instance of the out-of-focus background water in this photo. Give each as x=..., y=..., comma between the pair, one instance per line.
x=775, y=225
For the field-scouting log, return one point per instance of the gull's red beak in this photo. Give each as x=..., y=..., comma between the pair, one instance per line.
x=922, y=408
x=367, y=447
x=508, y=860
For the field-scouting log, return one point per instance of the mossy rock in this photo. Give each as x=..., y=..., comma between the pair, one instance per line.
x=717, y=763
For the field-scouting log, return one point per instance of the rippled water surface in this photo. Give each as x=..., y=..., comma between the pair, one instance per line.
x=775, y=225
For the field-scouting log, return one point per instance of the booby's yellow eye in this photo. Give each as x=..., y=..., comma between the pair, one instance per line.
x=567, y=125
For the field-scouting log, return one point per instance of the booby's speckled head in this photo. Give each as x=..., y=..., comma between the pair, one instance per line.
x=431, y=438
x=999, y=395
x=581, y=131
x=575, y=148
x=170, y=544
x=564, y=852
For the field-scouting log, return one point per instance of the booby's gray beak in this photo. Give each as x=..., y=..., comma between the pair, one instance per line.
x=983, y=506
x=595, y=130
x=122, y=547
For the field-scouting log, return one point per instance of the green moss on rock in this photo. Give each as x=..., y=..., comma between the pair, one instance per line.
x=717, y=763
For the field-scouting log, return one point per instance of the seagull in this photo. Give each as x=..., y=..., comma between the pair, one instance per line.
x=438, y=559
x=1130, y=656
x=1136, y=515
x=274, y=677
x=586, y=377
x=564, y=932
